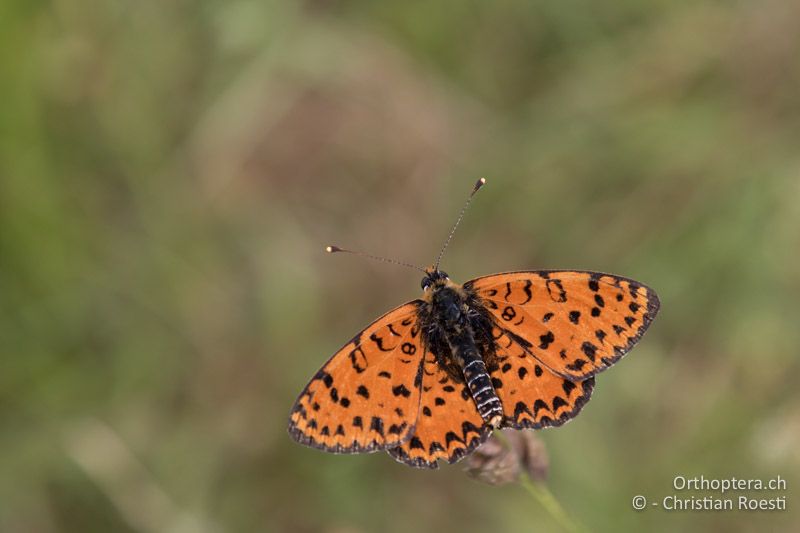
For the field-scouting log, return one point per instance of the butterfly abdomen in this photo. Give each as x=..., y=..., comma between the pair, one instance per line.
x=450, y=317
x=476, y=376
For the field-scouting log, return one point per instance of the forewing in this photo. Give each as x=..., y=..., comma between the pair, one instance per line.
x=532, y=395
x=449, y=426
x=366, y=397
x=576, y=323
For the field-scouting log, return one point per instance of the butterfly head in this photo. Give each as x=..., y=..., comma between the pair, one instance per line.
x=434, y=278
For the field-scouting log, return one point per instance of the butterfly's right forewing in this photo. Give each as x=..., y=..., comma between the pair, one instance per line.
x=576, y=323
x=366, y=397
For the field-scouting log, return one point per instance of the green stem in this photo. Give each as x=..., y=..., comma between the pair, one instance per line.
x=542, y=494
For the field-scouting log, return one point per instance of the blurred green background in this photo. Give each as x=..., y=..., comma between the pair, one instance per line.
x=171, y=171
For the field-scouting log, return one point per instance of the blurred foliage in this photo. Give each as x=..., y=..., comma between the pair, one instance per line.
x=171, y=171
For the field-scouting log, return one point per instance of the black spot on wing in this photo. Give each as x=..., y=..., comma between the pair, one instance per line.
x=589, y=349
x=527, y=290
x=326, y=378
x=539, y=404
x=451, y=437
x=379, y=342
x=576, y=365
x=558, y=401
x=546, y=339
x=358, y=360
x=556, y=290
x=395, y=429
x=376, y=425
x=401, y=390
x=599, y=300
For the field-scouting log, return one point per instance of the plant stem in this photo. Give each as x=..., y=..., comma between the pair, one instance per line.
x=542, y=494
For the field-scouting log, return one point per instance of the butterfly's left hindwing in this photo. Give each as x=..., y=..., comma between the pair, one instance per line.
x=366, y=397
x=449, y=426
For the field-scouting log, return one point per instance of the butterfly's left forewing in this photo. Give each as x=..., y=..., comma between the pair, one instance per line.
x=366, y=397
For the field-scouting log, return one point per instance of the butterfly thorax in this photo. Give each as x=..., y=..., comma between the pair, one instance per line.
x=457, y=330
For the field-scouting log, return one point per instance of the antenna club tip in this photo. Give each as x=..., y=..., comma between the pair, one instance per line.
x=478, y=184
x=331, y=249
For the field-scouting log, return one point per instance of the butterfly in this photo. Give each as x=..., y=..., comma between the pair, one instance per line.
x=430, y=380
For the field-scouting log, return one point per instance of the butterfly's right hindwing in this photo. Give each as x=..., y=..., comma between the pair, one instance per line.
x=366, y=397
x=533, y=396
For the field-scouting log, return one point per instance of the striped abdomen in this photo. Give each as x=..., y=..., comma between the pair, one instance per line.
x=476, y=377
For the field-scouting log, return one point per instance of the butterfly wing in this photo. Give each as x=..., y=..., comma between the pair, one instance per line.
x=366, y=397
x=532, y=395
x=449, y=426
x=576, y=323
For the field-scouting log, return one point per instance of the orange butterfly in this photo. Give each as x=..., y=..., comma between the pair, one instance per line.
x=432, y=378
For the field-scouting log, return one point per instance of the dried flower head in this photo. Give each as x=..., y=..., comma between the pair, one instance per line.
x=504, y=458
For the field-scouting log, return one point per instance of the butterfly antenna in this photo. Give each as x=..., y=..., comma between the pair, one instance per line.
x=478, y=184
x=334, y=249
